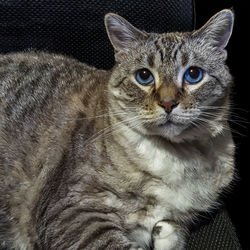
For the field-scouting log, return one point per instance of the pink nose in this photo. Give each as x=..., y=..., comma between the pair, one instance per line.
x=169, y=105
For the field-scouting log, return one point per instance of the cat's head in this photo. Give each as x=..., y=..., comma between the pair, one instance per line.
x=175, y=85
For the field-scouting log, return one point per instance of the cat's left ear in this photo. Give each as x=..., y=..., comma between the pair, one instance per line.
x=121, y=33
x=217, y=31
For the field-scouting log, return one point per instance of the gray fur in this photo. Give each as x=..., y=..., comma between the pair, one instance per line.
x=86, y=160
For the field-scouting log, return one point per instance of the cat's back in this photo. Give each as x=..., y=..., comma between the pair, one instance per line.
x=41, y=97
x=43, y=100
x=33, y=84
x=35, y=79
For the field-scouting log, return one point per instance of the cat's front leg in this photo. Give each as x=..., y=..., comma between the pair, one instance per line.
x=168, y=236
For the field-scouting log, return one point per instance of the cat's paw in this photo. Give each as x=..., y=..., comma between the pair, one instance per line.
x=167, y=236
x=134, y=246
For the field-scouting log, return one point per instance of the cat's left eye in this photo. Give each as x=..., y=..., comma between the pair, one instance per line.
x=144, y=76
x=193, y=75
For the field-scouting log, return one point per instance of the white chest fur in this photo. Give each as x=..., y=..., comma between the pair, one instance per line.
x=187, y=176
x=182, y=177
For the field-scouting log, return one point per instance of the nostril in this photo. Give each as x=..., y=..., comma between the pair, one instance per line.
x=169, y=105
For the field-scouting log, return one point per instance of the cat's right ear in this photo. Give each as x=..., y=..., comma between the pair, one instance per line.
x=121, y=33
x=217, y=31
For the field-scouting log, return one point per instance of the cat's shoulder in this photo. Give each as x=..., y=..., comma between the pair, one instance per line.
x=35, y=68
x=35, y=59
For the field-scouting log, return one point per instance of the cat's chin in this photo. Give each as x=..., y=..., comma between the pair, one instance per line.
x=176, y=132
x=169, y=130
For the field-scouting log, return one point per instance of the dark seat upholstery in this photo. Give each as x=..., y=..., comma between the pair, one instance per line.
x=76, y=28
x=214, y=232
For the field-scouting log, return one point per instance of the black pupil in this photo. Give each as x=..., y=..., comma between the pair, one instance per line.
x=194, y=72
x=144, y=74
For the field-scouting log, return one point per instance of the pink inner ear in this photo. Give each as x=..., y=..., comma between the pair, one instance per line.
x=222, y=43
x=218, y=29
x=227, y=31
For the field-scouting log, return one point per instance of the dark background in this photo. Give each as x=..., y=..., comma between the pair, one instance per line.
x=237, y=201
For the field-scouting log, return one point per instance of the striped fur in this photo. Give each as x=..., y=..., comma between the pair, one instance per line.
x=87, y=158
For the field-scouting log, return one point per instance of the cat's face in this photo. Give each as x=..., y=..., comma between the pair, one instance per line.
x=175, y=85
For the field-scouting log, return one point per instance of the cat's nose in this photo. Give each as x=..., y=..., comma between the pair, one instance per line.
x=168, y=105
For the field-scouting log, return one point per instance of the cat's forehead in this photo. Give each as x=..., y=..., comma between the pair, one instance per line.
x=168, y=48
x=167, y=40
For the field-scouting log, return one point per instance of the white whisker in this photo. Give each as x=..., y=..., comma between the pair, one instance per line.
x=111, y=129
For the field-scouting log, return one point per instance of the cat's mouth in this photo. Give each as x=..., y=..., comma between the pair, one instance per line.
x=169, y=123
x=167, y=128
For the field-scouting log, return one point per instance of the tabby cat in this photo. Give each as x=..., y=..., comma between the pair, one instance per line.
x=120, y=159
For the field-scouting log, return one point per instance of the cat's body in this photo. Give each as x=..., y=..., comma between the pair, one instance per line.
x=77, y=170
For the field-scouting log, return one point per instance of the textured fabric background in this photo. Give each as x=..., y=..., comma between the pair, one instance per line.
x=214, y=233
x=76, y=27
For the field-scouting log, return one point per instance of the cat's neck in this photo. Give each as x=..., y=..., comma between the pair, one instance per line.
x=130, y=137
x=143, y=152
x=158, y=156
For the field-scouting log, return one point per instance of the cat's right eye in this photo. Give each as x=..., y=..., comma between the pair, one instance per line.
x=193, y=75
x=144, y=77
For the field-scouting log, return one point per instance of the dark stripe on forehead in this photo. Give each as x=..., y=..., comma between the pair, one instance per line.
x=162, y=57
x=158, y=48
x=151, y=59
x=176, y=51
x=184, y=59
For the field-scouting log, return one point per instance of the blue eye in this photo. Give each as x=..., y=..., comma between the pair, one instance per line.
x=144, y=77
x=193, y=75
